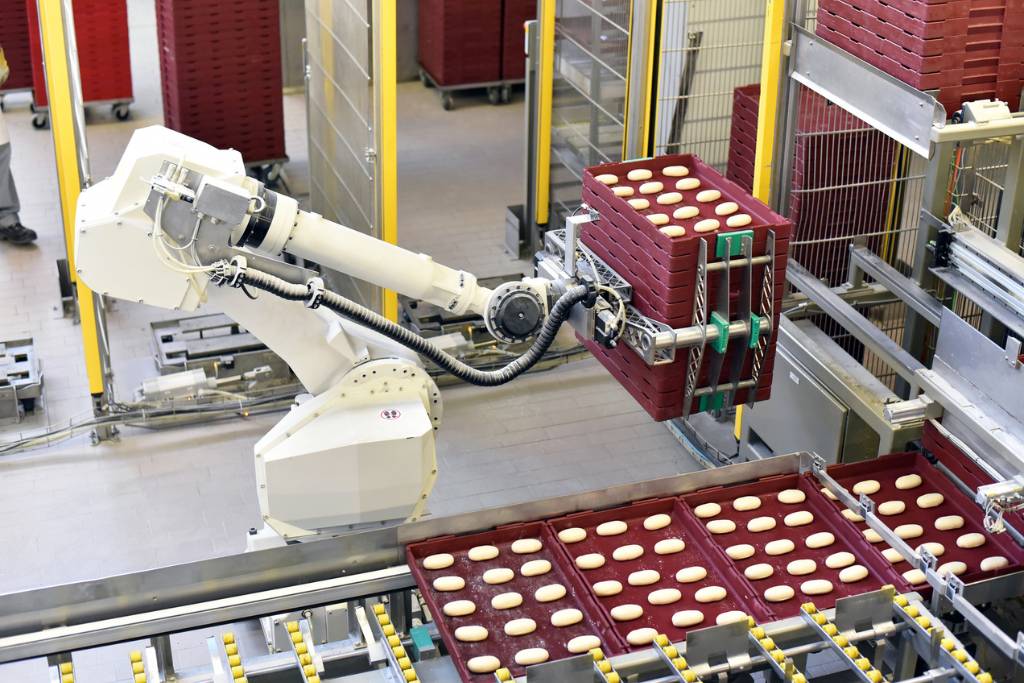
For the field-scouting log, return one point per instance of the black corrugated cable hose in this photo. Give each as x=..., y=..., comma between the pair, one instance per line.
x=349, y=309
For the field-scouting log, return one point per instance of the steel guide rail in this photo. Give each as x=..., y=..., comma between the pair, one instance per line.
x=951, y=651
x=861, y=666
x=398, y=659
x=949, y=587
x=777, y=659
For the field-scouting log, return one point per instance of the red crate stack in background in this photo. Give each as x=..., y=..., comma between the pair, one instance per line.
x=743, y=135
x=101, y=37
x=220, y=64
x=965, y=49
x=459, y=41
x=513, y=37
x=14, y=39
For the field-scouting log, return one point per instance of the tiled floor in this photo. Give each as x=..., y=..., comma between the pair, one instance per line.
x=155, y=498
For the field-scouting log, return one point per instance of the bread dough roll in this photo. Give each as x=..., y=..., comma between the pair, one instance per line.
x=664, y=596
x=669, y=198
x=709, y=196
x=867, y=487
x=639, y=203
x=691, y=574
x=994, y=562
x=853, y=573
x=828, y=494
x=907, y=531
x=658, y=218
x=520, y=627
x=740, y=551
x=607, y=178
x=738, y=220
x=893, y=555
x=816, y=587
x=801, y=567
x=669, y=546
x=652, y=187
x=604, y=589
x=572, y=535
x=822, y=539
x=581, y=644
x=727, y=208
x=675, y=171
x=706, y=225
x=624, y=553
x=590, y=561
x=482, y=553
x=525, y=546
x=687, y=617
x=759, y=524
x=908, y=481
x=840, y=560
x=498, y=575
x=949, y=522
x=687, y=184
x=779, y=593
x=659, y=521
x=761, y=570
x=549, y=593
x=745, y=503
x=779, y=546
x=638, y=174
x=710, y=594
x=955, y=567
x=914, y=577
x=685, y=212
x=871, y=536
x=721, y=526
x=641, y=636
x=627, y=612
x=672, y=230
x=566, y=617
x=447, y=584
x=470, y=634
x=791, y=496
x=623, y=191
x=459, y=608
x=506, y=600
x=852, y=516
x=707, y=510
x=892, y=507
x=439, y=561
x=643, y=577
x=801, y=518
x=531, y=655
x=972, y=540
x=484, y=664
x=936, y=549
x=535, y=568
x=930, y=500
x=730, y=617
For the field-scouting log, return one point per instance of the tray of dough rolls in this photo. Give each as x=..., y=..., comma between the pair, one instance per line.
x=502, y=598
x=790, y=543
x=650, y=572
x=923, y=506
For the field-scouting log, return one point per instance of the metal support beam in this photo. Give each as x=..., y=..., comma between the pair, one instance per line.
x=864, y=261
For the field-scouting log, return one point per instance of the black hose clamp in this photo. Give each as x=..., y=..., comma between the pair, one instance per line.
x=316, y=289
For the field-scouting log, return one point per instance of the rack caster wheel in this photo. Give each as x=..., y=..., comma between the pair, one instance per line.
x=447, y=102
x=423, y=79
x=121, y=112
x=506, y=94
x=40, y=121
x=494, y=95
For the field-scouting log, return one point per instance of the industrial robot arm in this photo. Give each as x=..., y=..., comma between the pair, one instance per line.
x=179, y=217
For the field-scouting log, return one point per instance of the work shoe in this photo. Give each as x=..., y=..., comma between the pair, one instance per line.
x=17, y=234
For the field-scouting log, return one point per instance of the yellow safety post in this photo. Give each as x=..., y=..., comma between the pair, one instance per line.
x=646, y=86
x=767, y=113
x=545, y=87
x=387, y=153
x=650, y=86
x=65, y=146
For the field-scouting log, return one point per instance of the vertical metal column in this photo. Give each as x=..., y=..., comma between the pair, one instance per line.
x=1009, y=225
x=641, y=87
x=385, y=76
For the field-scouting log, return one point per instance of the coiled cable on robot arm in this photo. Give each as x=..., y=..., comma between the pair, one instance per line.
x=236, y=276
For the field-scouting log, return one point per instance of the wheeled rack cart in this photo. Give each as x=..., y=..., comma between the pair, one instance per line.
x=498, y=92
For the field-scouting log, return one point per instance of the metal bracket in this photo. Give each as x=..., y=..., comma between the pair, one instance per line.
x=710, y=645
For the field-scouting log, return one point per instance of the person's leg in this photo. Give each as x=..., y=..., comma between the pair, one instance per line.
x=11, y=228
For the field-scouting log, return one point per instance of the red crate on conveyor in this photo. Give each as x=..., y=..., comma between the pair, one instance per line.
x=460, y=42
x=827, y=531
x=887, y=469
x=15, y=30
x=662, y=270
x=513, y=37
x=221, y=76
x=101, y=37
x=632, y=580
x=497, y=644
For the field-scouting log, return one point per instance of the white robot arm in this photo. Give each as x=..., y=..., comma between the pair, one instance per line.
x=179, y=217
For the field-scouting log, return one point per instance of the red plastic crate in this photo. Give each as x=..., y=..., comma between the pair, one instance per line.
x=513, y=37
x=15, y=30
x=460, y=42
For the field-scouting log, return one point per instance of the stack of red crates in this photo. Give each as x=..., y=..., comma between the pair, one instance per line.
x=459, y=41
x=14, y=39
x=842, y=170
x=513, y=37
x=220, y=63
x=101, y=36
x=662, y=272
x=965, y=49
